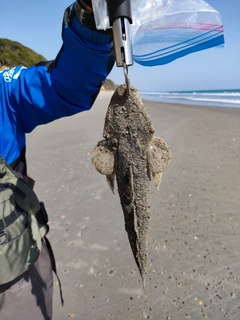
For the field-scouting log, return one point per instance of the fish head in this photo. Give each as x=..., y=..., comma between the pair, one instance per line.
x=127, y=117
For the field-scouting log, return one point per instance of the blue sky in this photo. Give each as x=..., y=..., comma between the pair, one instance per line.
x=37, y=25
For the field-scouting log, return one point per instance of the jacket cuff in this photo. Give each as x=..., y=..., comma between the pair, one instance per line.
x=88, y=34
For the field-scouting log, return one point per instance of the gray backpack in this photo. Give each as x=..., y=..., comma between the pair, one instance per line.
x=23, y=223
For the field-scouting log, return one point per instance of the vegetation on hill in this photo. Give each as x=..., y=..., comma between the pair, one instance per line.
x=109, y=85
x=13, y=53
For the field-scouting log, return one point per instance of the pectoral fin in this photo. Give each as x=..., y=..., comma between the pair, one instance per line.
x=159, y=156
x=157, y=177
x=110, y=180
x=103, y=162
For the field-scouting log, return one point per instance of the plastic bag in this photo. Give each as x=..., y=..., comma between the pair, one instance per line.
x=177, y=29
x=165, y=30
x=100, y=14
x=141, y=10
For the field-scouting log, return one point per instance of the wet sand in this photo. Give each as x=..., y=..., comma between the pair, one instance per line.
x=194, y=233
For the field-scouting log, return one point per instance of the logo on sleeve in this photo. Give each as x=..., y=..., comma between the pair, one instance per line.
x=8, y=75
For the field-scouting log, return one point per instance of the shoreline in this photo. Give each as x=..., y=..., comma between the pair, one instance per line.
x=213, y=98
x=183, y=102
x=196, y=104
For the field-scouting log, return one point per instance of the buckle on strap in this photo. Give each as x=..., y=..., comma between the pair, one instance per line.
x=82, y=15
x=3, y=237
x=86, y=18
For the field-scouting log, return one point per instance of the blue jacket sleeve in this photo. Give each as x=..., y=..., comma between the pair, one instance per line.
x=38, y=96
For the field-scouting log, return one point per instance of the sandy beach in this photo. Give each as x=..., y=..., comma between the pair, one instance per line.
x=194, y=233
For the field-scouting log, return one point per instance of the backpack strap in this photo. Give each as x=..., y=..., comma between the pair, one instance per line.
x=41, y=215
x=13, y=216
x=54, y=267
x=9, y=219
x=29, y=181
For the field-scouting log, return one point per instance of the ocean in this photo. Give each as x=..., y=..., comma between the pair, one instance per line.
x=214, y=98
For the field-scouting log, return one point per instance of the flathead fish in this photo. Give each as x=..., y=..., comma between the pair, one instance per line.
x=131, y=153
